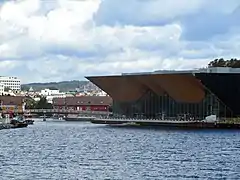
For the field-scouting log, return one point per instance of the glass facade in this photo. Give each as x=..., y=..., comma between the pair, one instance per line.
x=153, y=106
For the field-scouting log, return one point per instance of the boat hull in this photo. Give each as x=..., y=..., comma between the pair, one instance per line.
x=29, y=121
x=22, y=125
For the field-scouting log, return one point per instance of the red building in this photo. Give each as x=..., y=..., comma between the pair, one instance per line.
x=90, y=103
x=11, y=103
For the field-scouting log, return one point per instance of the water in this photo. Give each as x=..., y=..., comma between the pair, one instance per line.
x=71, y=150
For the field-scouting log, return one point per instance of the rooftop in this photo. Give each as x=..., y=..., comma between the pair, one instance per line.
x=202, y=70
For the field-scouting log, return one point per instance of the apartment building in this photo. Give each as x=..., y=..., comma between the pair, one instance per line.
x=13, y=83
x=1, y=89
x=52, y=93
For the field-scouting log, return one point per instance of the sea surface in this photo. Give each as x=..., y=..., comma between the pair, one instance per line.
x=73, y=150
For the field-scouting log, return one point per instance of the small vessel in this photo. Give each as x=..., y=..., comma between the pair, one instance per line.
x=58, y=117
x=72, y=117
x=28, y=119
x=18, y=122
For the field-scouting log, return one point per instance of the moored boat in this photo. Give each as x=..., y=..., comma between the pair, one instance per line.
x=28, y=119
x=18, y=122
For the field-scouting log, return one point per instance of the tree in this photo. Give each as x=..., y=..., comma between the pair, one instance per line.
x=43, y=104
x=233, y=63
x=30, y=103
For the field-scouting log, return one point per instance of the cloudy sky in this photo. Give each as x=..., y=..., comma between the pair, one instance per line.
x=54, y=40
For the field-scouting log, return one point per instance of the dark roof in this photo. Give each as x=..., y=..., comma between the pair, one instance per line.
x=83, y=100
x=12, y=100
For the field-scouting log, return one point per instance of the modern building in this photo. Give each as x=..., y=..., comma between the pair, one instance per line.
x=13, y=83
x=11, y=103
x=49, y=92
x=192, y=94
x=52, y=93
x=90, y=103
x=1, y=89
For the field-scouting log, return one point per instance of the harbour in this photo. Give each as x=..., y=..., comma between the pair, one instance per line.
x=119, y=90
x=64, y=150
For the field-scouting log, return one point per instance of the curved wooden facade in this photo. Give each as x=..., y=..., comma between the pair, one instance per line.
x=181, y=87
x=120, y=88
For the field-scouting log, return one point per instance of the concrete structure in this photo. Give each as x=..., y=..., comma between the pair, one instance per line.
x=83, y=103
x=176, y=95
x=13, y=83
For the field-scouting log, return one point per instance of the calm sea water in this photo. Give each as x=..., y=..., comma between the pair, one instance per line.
x=67, y=150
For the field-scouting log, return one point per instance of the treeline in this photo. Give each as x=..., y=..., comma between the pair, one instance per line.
x=233, y=63
x=41, y=104
x=63, y=86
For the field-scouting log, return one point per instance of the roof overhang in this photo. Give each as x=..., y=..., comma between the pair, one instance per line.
x=183, y=87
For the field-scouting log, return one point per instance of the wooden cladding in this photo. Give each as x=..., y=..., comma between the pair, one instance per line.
x=181, y=87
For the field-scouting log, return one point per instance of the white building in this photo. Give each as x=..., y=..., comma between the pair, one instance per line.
x=52, y=93
x=13, y=83
x=49, y=92
x=1, y=89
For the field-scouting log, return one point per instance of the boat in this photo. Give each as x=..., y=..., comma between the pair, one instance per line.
x=18, y=122
x=58, y=117
x=72, y=117
x=28, y=119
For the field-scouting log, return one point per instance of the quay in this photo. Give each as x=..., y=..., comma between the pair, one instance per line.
x=167, y=123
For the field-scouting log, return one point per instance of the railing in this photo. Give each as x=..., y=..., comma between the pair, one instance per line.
x=58, y=111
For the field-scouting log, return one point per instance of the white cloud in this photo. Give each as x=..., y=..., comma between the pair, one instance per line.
x=62, y=39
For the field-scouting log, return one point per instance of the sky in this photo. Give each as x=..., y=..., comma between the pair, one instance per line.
x=44, y=41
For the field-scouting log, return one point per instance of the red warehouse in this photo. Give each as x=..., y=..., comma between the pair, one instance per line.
x=90, y=103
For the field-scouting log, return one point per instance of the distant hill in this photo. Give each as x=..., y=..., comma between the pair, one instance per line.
x=62, y=86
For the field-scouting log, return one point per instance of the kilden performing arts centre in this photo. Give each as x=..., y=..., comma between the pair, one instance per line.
x=200, y=98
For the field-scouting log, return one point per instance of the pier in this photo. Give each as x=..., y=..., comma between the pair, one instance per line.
x=199, y=124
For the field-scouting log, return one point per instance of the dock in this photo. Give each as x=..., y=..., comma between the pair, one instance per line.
x=168, y=123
